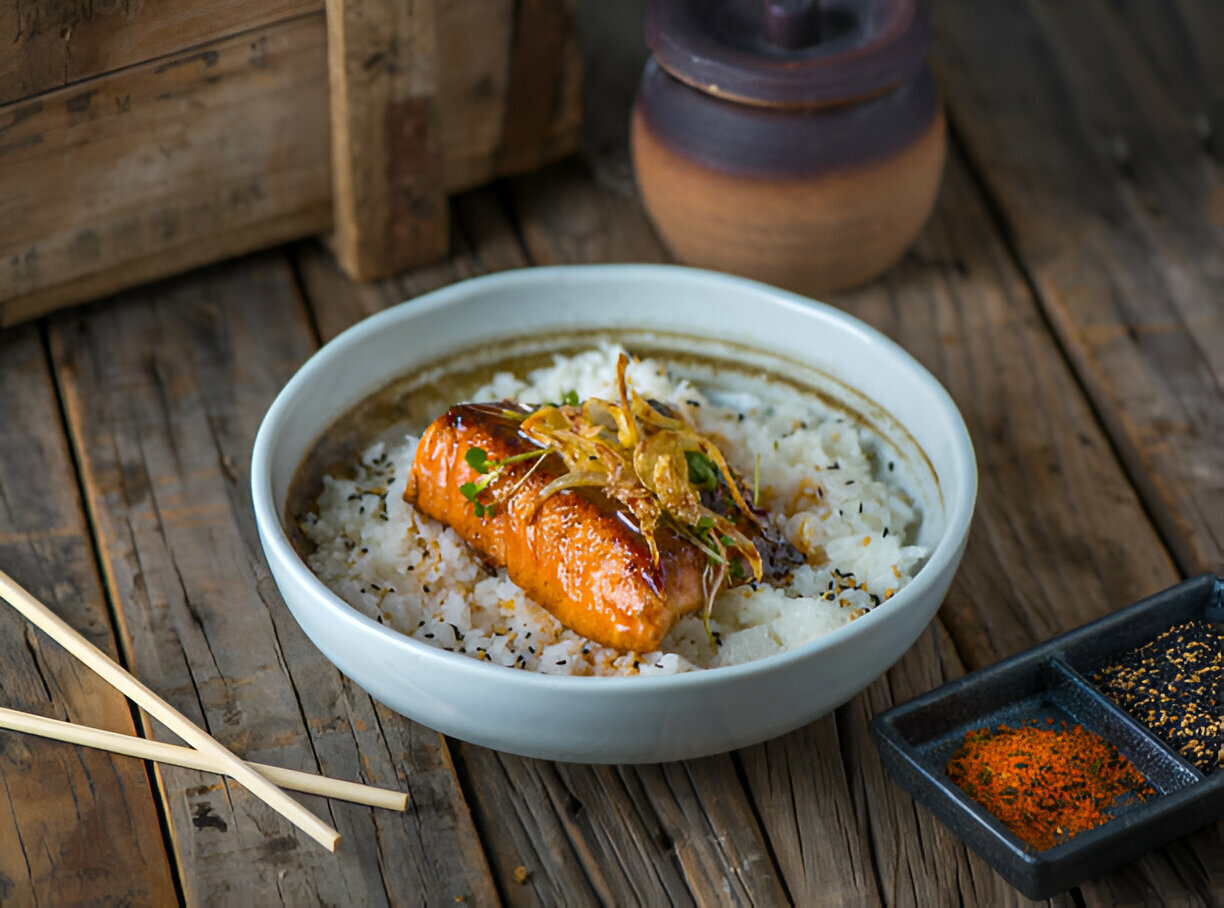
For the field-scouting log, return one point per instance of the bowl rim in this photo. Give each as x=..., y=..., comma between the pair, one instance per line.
x=958, y=506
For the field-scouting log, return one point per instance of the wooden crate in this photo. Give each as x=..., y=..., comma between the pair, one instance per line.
x=138, y=140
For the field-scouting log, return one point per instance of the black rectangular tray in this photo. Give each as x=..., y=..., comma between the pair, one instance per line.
x=916, y=739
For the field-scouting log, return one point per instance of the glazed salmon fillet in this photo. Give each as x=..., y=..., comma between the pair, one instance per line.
x=576, y=553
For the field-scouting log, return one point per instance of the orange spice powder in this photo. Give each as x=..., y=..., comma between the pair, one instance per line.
x=1045, y=782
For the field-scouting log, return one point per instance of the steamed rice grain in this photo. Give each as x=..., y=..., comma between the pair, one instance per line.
x=820, y=475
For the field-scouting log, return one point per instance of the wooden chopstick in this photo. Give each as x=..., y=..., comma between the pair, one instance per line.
x=162, y=752
x=64, y=634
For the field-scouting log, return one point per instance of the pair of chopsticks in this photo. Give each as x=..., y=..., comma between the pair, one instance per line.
x=205, y=752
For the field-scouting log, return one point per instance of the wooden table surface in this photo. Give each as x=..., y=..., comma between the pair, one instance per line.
x=1068, y=291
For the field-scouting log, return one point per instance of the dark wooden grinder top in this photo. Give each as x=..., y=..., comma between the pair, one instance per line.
x=789, y=52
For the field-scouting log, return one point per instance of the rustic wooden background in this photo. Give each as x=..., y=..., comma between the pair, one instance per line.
x=1067, y=292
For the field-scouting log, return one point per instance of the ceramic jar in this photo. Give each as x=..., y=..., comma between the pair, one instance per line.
x=793, y=142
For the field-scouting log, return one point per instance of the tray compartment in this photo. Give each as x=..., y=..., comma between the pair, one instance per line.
x=917, y=738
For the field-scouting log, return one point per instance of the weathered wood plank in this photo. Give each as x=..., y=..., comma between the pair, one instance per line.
x=50, y=45
x=164, y=390
x=474, y=43
x=1095, y=128
x=543, y=103
x=163, y=166
x=567, y=218
x=216, y=148
x=76, y=825
x=388, y=199
x=1060, y=536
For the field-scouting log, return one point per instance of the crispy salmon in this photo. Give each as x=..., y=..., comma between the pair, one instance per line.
x=577, y=553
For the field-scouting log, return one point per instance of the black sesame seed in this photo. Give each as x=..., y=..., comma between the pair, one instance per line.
x=1169, y=684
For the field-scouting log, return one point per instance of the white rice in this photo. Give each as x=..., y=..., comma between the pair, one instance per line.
x=820, y=476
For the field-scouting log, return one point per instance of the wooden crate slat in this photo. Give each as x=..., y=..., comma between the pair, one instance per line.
x=389, y=200
x=473, y=78
x=544, y=95
x=217, y=148
x=163, y=166
x=50, y=45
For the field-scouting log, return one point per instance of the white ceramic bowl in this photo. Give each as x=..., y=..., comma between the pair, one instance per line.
x=636, y=719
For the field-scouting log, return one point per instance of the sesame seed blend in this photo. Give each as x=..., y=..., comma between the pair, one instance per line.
x=1171, y=684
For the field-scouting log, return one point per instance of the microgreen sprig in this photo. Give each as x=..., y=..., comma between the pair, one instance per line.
x=478, y=460
x=701, y=470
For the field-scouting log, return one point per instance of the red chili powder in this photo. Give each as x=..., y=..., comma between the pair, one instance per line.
x=1045, y=783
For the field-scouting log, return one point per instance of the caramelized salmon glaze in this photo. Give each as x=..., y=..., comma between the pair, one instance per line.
x=577, y=553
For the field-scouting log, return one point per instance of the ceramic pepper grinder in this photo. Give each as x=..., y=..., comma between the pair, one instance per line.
x=797, y=142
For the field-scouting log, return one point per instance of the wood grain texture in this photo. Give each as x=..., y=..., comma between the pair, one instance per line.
x=212, y=149
x=164, y=389
x=76, y=825
x=1059, y=538
x=50, y=45
x=566, y=218
x=1095, y=128
x=389, y=203
x=544, y=92
x=474, y=50
x=163, y=166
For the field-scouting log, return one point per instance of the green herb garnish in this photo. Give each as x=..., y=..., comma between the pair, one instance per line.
x=478, y=460
x=701, y=471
